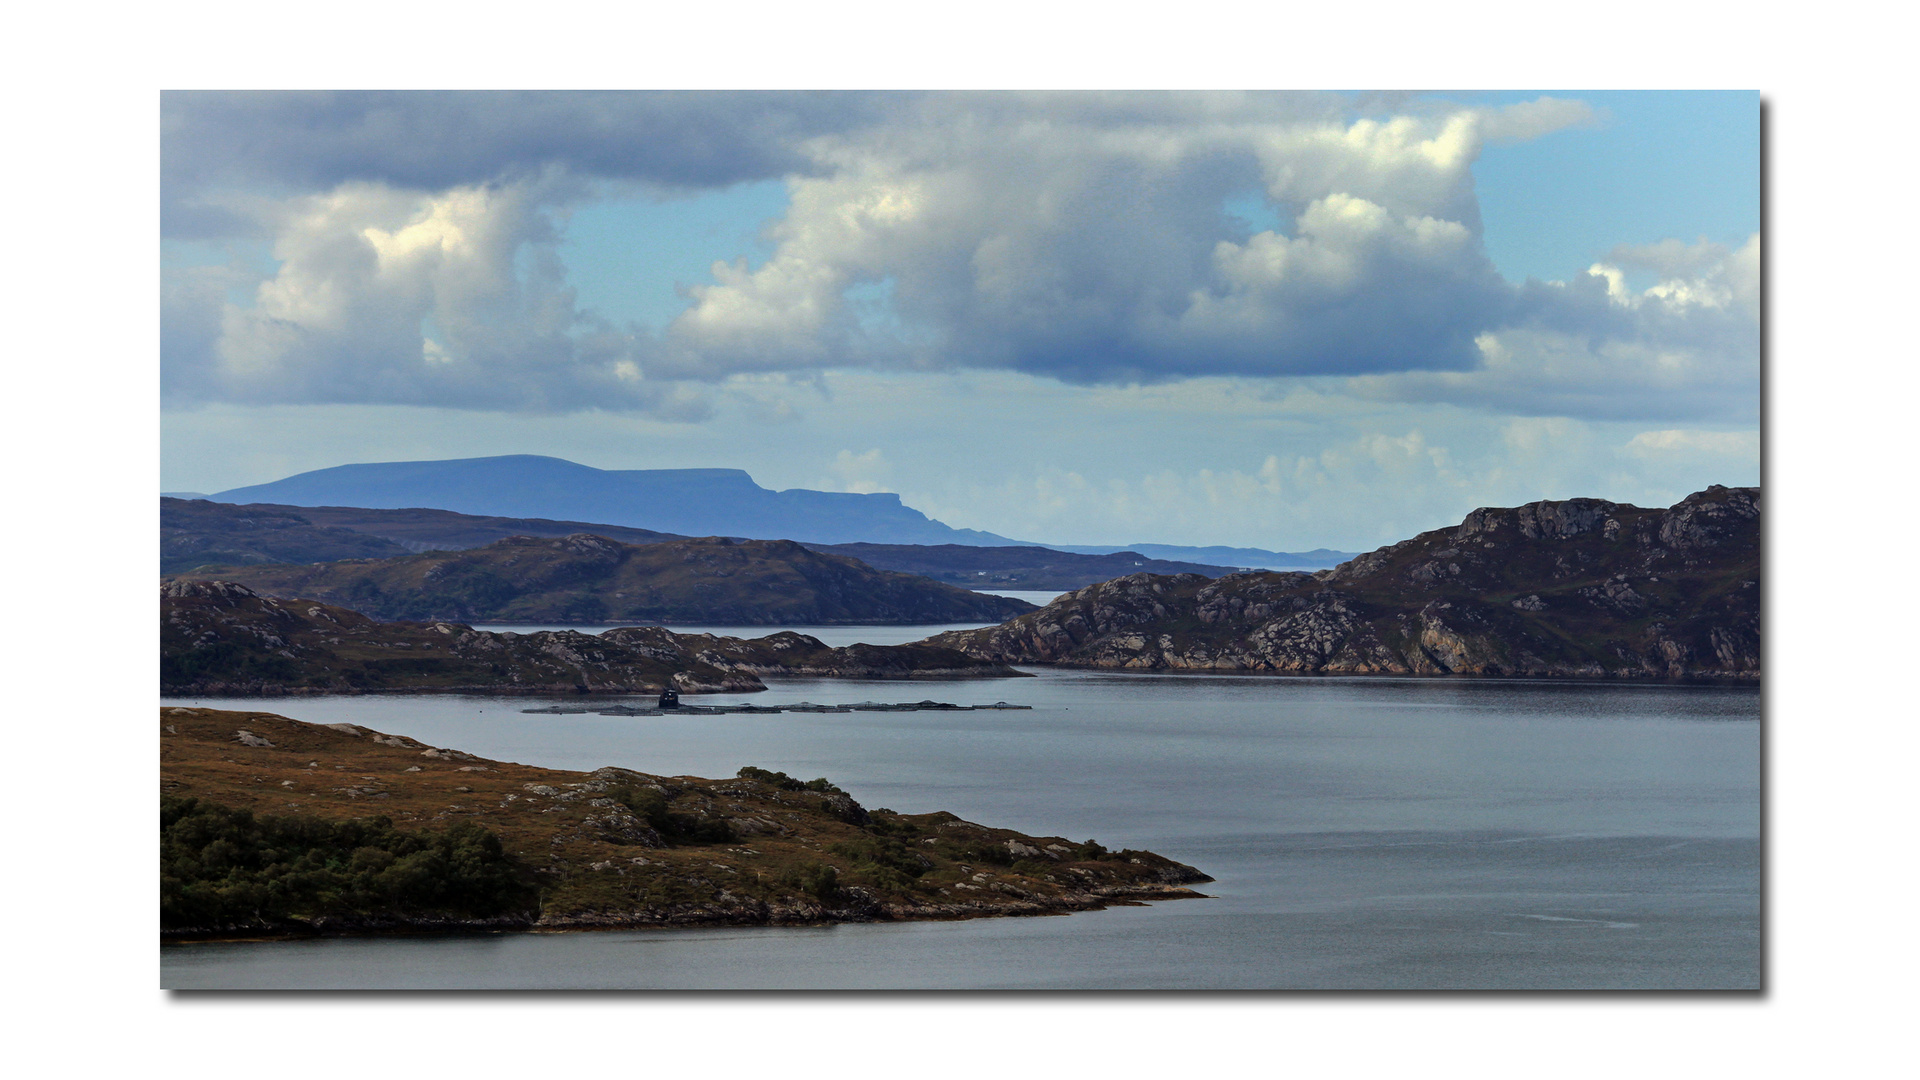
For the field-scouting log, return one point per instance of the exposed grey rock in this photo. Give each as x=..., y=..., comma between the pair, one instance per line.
x=1550, y=588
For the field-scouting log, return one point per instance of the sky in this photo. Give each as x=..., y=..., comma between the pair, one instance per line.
x=1287, y=320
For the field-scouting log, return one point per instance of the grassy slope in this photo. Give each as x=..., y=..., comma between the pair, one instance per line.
x=588, y=579
x=199, y=533
x=731, y=851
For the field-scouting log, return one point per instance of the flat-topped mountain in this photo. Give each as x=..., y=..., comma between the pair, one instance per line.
x=590, y=579
x=689, y=502
x=1582, y=587
x=219, y=637
x=269, y=827
x=667, y=502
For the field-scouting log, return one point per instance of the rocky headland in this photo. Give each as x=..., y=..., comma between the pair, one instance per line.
x=1576, y=588
x=272, y=826
x=223, y=638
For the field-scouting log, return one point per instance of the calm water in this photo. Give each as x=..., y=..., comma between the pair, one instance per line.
x=1364, y=833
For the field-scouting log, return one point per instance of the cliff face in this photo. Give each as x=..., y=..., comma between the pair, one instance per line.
x=590, y=579
x=220, y=637
x=1582, y=587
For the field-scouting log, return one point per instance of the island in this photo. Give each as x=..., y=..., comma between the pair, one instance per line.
x=223, y=638
x=273, y=827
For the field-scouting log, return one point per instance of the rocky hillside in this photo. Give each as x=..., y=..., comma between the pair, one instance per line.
x=590, y=579
x=253, y=805
x=219, y=637
x=197, y=533
x=1575, y=588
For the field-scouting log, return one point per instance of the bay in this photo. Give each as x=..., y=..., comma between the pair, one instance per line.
x=1364, y=833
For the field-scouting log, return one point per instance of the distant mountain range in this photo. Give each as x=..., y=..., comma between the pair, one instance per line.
x=197, y=535
x=1580, y=588
x=690, y=502
x=683, y=502
x=1235, y=557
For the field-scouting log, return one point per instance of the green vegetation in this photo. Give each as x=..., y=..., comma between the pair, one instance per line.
x=265, y=832
x=651, y=806
x=226, y=661
x=787, y=783
x=222, y=867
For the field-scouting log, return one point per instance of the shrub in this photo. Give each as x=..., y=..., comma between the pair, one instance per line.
x=223, y=867
x=818, y=880
x=890, y=854
x=786, y=783
x=652, y=807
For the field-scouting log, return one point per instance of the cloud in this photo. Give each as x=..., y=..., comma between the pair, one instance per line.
x=217, y=142
x=1527, y=120
x=865, y=473
x=1687, y=347
x=1092, y=245
x=1669, y=258
x=397, y=296
x=1736, y=444
x=1080, y=237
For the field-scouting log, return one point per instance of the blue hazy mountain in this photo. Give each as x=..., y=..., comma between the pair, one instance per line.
x=691, y=502
x=1260, y=558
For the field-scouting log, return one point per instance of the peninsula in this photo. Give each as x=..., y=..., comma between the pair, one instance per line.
x=271, y=826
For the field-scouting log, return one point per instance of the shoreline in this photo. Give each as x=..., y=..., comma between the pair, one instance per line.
x=700, y=917
x=275, y=828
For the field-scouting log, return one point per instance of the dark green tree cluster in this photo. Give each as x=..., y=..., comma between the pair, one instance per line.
x=224, y=868
x=883, y=862
x=183, y=663
x=652, y=807
x=787, y=783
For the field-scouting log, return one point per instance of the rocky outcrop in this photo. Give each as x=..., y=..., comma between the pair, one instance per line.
x=1578, y=588
x=221, y=637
